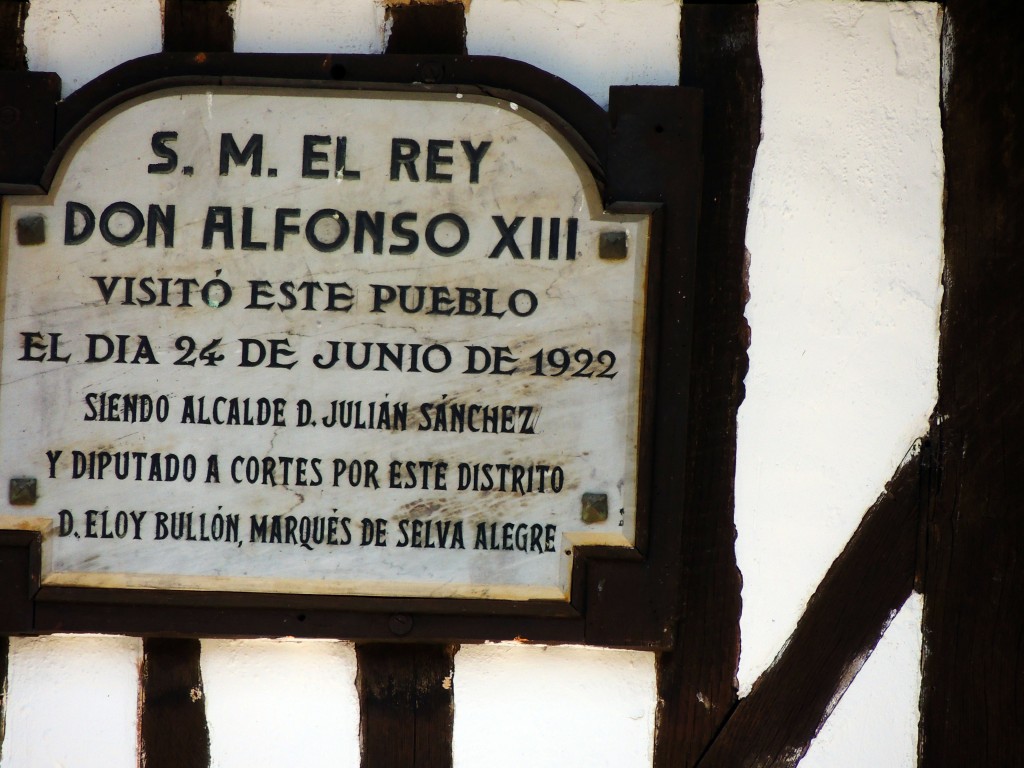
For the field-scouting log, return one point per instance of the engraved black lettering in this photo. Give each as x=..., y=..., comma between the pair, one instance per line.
x=475, y=155
x=159, y=146
x=230, y=153
x=508, y=237
x=403, y=155
x=310, y=156
x=436, y=158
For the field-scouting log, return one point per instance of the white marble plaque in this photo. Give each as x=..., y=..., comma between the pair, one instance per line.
x=321, y=342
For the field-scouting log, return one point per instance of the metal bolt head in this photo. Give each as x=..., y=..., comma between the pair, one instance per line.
x=594, y=508
x=31, y=230
x=22, y=491
x=400, y=624
x=432, y=72
x=9, y=116
x=613, y=246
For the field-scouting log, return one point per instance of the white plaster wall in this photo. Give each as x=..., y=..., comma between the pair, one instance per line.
x=81, y=39
x=875, y=722
x=308, y=26
x=590, y=43
x=844, y=235
x=549, y=707
x=72, y=701
x=273, y=703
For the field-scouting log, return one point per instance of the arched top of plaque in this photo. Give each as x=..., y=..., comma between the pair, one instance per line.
x=285, y=136
x=373, y=342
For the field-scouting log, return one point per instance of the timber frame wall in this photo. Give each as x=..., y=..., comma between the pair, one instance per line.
x=949, y=523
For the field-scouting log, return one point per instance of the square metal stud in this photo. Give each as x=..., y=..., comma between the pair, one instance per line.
x=22, y=491
x=31, y=230
x=594, y=508
x=613, y=246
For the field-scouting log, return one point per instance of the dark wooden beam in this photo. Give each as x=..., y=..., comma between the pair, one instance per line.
x=20, y=558
x=696, y=681
x=5, y=646
x=407, y=705
x=972, y=705
x=172, y=720
x=27, y=102
x=198, y=25
x=12, y=35
x=862, y=591
x=427, y=28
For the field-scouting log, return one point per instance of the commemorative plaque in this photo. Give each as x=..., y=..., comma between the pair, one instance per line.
x=356, y=343
x=365, y=348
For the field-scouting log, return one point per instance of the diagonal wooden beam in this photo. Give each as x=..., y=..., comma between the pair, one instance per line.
x=865, y=587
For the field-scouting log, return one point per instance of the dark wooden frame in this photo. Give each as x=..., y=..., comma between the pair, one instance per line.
x=646, y=149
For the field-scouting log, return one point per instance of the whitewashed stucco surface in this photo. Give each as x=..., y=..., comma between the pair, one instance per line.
x=281, y=702
x=82, y=39
x=593, y=44
x=72, y=701
x=844, y=235
x=549, y=707
x=309, y=26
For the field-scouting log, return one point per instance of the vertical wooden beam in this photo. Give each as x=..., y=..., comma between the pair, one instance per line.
x=12, y=35
x=696, y=681
x=19, y=559
x=407, y=705
x=434, y=28
x=5, y=647
x=172, y=730
x=972, y=706
x=198, y=25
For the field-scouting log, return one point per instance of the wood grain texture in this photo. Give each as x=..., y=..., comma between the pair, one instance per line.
x=863, y=589
x=696, y=681
x=28, y=105
x=654, y=155
x=12, y=35
x=407, y=705
x=427, y=28
x=5, y=646
x=972, y=702
x=172, y=731
x=198, y=25
x=20, y=558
